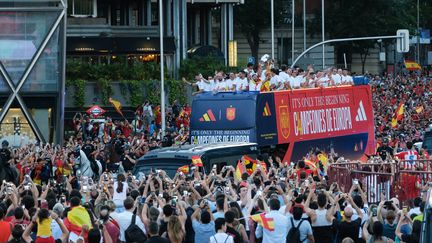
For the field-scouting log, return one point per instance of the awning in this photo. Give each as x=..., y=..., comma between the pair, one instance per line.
x=89, y=45
x=118, y=45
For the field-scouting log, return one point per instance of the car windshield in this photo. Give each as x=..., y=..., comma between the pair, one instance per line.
x=169, y=165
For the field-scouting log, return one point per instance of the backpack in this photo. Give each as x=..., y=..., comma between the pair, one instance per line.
x=294, y=233
x=133, y=233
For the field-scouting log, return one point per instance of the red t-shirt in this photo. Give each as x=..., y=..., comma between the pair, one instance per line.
x=5, y=229
x=307, y=171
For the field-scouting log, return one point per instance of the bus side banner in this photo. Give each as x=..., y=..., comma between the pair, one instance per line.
x=223, y=117
x=266, y=119
x=317, y=113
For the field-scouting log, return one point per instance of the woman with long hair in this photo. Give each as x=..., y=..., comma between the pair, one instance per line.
x=120, y=192
x=176, y=231
x=377, y=233
x=414, y=237
x=239, y=224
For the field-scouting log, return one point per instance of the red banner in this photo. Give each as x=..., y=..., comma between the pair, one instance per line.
x=323, y=112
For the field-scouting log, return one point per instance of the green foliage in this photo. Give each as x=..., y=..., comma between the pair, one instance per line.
x=346, y=18
x=176, y=91
x=79, y=92
x=253, y=16
x=153, y=91
x=115, y=71
x=206, y=66
x=105, y=89
x=136, y=92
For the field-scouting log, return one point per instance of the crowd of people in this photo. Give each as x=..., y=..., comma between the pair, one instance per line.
x=275, y=203
x=413, y=91
x=83, y=190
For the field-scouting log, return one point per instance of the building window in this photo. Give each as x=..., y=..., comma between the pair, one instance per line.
x=83, y=8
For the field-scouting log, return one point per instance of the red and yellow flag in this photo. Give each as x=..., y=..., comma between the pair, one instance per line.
x=184, y=169
x=240, y=169
x=412, y=66
x=196, y=160
x=266, y=223
x=117, y=105
x=398, y=115
x=265, y=86
x=76, y=218
x=419, y=109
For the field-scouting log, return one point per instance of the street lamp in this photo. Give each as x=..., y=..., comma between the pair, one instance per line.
x=272, y=28
x=292, y=31
x=162, y=67
x=322, y=33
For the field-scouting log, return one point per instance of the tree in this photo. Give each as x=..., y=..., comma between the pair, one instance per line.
x=252, y=17
x=347, y=18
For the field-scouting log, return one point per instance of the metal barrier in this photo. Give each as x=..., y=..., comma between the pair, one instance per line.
x=395, y=179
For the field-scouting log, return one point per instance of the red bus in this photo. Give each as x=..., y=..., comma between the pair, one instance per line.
x=290, y=123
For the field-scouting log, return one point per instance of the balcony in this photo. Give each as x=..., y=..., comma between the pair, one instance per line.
x=99, y=27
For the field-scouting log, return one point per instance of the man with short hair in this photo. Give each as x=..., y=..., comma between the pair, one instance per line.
x=124, y=219
x=349, y=228
x=346, y=78
x=154, y=234
x=242, y=83
x=230, y=230
x=205, y=227
x=221, y=207
x=303, y=225
x=221, y=236
x=279, y=234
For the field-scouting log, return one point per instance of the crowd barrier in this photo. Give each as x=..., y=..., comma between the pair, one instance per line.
x=398, y=179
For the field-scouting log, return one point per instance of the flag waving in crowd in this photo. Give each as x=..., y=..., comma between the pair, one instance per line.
x=117, y=105
x=398, y=116
x=266, y=223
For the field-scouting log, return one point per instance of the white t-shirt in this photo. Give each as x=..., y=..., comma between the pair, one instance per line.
x=221, y=238
x=324, y=81
x=254, y=86
x=284, y=76
x=124, y=219
x=241, y=84
x=119, y=197
x=296, y=82
x=220, y=86
x=337, y=79
x=206, y=85
x=347, y=79
x=275, y=80
x=230, y=84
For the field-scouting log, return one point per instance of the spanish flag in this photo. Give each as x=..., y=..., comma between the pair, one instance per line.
x=412, y=66
x=419, y=109
x=117, y=105
x=184, y=169
x=398, y=115
x=196, y=161
x=76, y=218
x=265, y=86
x=240, y=169
x=266, y=223
x=250, y=164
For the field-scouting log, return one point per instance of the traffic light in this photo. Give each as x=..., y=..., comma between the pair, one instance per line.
x=402, y=41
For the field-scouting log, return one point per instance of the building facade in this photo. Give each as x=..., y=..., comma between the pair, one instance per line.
x=32, y=67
